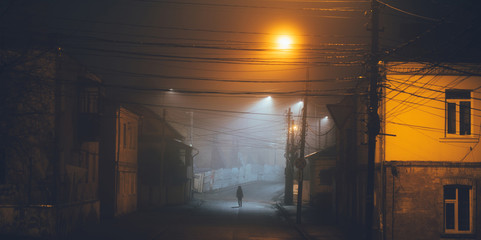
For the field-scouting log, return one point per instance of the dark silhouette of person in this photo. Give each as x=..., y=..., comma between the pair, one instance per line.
x=239, y=195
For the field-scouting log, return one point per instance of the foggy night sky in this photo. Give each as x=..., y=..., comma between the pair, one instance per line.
x=218, y=56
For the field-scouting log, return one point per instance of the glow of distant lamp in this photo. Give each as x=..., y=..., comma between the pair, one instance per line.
x=269, y=97
x=284, y=42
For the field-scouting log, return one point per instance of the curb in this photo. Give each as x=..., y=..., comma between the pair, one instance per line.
x=296, y=226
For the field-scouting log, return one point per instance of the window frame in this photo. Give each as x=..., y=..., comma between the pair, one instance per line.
x=455, y=99
x=456, y=209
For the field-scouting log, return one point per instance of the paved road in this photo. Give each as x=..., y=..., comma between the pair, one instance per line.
x=214, y=216
x=219, y=217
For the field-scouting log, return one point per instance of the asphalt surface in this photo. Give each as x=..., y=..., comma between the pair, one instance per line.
x=216, y=215
x=211, y=216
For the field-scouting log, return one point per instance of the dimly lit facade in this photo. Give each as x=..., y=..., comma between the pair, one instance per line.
x=50, y=144
x=165, y=163
x=322, y=168
x=351, y=160
x=119, y=166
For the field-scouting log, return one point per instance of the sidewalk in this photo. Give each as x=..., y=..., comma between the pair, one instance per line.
x=313, y=226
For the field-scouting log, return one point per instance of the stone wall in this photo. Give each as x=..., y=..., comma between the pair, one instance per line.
x=414, y=199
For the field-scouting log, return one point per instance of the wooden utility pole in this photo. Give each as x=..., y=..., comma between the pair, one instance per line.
x=301, y=162
x=289, y=167
x=373, y=117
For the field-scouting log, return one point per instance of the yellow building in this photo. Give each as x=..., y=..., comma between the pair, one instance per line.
x=430, y=121
x=428, y=162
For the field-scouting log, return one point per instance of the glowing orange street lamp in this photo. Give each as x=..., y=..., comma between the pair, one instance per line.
x=284, y=42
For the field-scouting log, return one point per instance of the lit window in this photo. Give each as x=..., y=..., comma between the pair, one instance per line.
x=457, y=209
x=458, y=111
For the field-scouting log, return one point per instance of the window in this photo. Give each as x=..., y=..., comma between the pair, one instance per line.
x=182, y=156
x=458, y=111
x=3, y=167
x=457, y=209
x=129, y=131
x=88, y=122
x=89, y=100
x=125, y=135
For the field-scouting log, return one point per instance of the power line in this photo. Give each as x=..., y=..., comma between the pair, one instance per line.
x=201, y=29
x=150, y=75
x=409, y=13
x=192, y=59
x=342, y=9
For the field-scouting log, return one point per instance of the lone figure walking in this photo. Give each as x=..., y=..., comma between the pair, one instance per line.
x=239, y=195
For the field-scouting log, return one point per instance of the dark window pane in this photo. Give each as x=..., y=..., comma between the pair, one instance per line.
x=449, y=192
x=3, y=167
x=463, y=208
x=465, y=118
x=451, y=115
x=449, y=215
x=125, y=136
x=458, y=94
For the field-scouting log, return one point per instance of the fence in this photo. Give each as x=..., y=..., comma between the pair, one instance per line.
x=221, y=178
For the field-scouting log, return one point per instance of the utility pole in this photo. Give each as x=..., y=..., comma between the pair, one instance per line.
x=373, y=117
x=301, y=162
x=289, y=167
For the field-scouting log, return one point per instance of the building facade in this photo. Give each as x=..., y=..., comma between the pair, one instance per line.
x=119, y=165
x=427, y=166
x=430, y=155
x=165, y=163
x=49, y=150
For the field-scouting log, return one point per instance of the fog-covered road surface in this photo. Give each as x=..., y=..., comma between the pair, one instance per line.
x=219, y=217
x=212, y=216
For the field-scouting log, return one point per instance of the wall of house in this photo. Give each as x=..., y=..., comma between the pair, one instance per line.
x=415, y=200
x=78, y=200
x=126, y=160
x=165, y=164
x=152, y=188
x=322, y=183
x=50, y=186
x=416, y=116
x=351, y=164
x=420, y=157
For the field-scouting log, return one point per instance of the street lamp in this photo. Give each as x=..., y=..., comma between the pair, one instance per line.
x=284, y=42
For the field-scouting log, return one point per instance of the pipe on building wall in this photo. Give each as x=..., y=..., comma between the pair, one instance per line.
x=394, y=173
